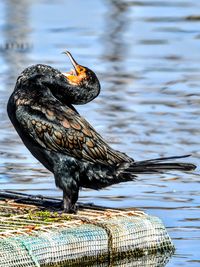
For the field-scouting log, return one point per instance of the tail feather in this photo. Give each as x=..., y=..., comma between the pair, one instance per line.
x=157, y=165
x=127, y=171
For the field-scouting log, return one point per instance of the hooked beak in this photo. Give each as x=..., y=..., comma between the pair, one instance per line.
x=73, y=61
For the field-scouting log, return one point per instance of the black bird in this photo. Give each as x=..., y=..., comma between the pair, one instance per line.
x=41, y=110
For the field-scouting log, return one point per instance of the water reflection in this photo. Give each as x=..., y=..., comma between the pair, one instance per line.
x=114, y=38
x=16, y=37
x=158, y=260
x=147, y=56
x=115, y=54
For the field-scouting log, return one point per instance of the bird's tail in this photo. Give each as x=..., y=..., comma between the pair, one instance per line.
x=128, y=171
x=154, y=165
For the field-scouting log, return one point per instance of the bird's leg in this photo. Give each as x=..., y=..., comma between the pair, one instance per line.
x=66, y=203
x=67, y=180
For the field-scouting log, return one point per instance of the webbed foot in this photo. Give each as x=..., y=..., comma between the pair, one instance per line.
x=72, y=209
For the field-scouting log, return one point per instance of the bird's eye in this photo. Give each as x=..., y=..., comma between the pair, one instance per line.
x=81, y=69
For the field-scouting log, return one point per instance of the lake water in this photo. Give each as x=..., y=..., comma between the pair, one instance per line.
x=146, y=54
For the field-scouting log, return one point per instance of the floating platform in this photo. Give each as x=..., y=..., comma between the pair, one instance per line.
x=34, y=233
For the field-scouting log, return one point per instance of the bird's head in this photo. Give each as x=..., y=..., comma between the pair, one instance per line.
x=83, y=82
x=80, y=75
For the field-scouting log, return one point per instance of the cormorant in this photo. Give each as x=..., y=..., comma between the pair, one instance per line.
x=42, y=112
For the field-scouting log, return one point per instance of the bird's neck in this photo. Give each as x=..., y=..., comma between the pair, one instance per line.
x=41, y=79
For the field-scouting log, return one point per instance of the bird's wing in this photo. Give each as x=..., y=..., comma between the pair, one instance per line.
x=61, y=129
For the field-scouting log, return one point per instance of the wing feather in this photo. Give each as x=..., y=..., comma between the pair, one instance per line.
x=62, y=130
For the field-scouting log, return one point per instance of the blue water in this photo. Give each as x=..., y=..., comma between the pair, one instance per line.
x=147, y=57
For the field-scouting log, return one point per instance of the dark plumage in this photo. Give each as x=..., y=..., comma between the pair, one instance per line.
x=41, y=111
